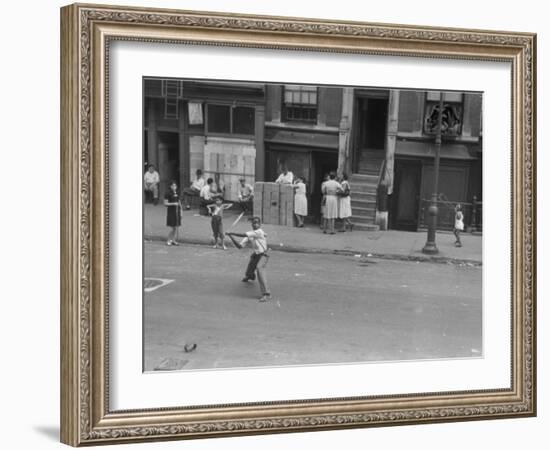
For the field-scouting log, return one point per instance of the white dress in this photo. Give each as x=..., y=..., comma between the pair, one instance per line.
x=300, y=200
x=330, y=189
x=344, y=204
x=459, y=221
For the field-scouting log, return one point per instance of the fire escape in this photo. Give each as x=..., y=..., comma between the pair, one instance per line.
x=172, y=92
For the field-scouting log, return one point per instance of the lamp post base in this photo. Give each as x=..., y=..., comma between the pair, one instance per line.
x=430, y=248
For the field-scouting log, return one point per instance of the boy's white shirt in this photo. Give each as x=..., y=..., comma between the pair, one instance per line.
x=257, y=239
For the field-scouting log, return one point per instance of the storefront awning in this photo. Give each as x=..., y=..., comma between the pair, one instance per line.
x=302, y=138
x=427, y=150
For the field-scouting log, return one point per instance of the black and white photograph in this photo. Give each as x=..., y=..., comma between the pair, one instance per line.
x=298, y=224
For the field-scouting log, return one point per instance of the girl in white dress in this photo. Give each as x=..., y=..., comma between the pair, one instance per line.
x=300, y=201
x=344, y=204
x=459, y=224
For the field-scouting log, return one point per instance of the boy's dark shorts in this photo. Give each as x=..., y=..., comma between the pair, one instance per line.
x=217, y=226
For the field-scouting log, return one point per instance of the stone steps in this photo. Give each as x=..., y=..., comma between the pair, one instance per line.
x=364, y=186
x=365, y=227
x=361, y=178
x=362, y=220
x=363, y=210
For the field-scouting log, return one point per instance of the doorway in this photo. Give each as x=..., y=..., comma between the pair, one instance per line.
x=168, y=160
x=371, y=131
x=406, y=196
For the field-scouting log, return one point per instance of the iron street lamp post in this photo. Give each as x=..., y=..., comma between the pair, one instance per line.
x=430, y=247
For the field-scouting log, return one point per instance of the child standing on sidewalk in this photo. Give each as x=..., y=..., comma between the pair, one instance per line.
x=258, y=240
x=216, y=211
x=173, y=213
x=459, y=224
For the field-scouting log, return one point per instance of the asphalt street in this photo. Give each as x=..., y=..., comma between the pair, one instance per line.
x=325, y=309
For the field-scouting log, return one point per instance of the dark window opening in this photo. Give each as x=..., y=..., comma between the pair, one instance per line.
x=243, y=120
x=226, y=119
x=219, y=118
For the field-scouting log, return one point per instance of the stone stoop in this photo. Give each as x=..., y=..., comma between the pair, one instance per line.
x=363, y=194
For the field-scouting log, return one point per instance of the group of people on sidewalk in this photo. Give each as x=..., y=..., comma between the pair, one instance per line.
x=300, y=198
x=336, y=203
x=210, y=190
x=335, y=200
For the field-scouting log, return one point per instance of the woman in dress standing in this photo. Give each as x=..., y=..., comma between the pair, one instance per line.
x=324, y=203
x=344, y=204
x=330, y=189
x=173, y=213
x=300, y=201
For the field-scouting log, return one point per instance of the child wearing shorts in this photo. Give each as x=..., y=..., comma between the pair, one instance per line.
x=216, y=211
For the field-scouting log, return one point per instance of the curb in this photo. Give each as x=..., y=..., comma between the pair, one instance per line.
x=361, y=253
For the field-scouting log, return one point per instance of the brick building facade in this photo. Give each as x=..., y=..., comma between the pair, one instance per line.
x=382, y=138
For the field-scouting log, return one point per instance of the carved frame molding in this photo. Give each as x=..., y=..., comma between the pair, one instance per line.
x=86, y=32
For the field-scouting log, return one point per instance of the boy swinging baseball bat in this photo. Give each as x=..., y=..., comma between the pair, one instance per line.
x=258, y=241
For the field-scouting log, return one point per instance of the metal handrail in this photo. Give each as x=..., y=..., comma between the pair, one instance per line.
x=471, y=210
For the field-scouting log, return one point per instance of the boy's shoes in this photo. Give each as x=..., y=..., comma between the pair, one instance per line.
x=175, y=243
x=224, y=247
x=265, y=298
x=458, y=244
x=245, y=279
x=168, y=242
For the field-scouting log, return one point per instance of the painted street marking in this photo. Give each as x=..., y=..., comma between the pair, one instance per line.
x=150, y=284
x=171, y=364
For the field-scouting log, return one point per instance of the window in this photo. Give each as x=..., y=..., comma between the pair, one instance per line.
x=219, y=118
x=243, y=120
x=451, y=120
x=227, y=119
x=300, y=103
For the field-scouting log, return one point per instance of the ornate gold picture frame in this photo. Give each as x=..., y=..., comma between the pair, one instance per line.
x=87, y=32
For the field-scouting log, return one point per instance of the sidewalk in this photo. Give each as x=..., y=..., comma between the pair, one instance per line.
x=392, y=244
